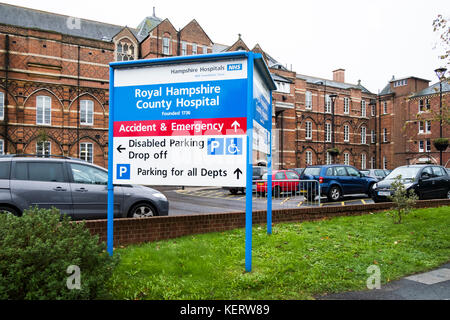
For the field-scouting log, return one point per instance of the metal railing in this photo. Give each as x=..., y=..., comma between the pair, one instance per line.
x=288, y=193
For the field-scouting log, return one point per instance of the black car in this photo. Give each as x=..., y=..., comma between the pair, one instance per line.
x=427, y=181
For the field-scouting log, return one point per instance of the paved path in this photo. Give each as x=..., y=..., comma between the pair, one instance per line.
x=432, y=285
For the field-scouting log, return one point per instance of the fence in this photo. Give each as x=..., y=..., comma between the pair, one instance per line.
x=288, y=193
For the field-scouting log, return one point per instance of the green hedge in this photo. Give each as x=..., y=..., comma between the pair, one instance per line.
x=36, y=251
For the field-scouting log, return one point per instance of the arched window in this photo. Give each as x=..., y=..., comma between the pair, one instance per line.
x=125, y=50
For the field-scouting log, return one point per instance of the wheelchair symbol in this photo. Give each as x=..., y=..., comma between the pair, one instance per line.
x=234, y=146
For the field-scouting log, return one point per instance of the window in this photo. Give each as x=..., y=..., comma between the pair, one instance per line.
x=363, y=108
x=87, y=174
x=205, y=50
x=327, y=132
x=346, y=158
x=43, y=110
x=328, y=160
x=280, y=176
x=421, y=147
x=86, y=112
x=428, y=126
x=308, y=125
x=372, y=136
x=43, y=148
x=2, y=105
x=427, y=104
x=372, y=163
x=340, y=171
x=385, y=135
x=5, y=167
x=166, y=45
x=438, y=172
x=327, y=104
x=125, y=51
x=308, y=100
x=363, y=135
x=308, y=157
x=283, y=87
x=363, y=161
x=385, y=110
x=346, y=105
x=428, y=146
x=400, y=83
x=194, y=48
x=2, y=146
x=46, y=171
x=346, y=133
x=183, y=48
x=424, y=105
x=291, y=175
x=352, y=172
x=86, y=152
x=421, y=130
x=372, y=110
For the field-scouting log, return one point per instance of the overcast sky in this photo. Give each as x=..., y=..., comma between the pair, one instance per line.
x=371, y=39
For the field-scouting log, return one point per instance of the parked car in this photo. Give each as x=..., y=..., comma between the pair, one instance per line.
x=427, y=181
x=299, y=171
x=282, y=181
x=258, y=172
x=377, y=174
x=336, y=181
x=75, y=187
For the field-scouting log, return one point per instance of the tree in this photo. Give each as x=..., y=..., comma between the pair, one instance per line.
x=404, y=201
x=442, y=29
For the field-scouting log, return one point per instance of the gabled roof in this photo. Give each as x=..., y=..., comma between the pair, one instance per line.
x=193, y=21
x=62, y=24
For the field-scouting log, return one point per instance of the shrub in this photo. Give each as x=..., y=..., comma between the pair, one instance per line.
x=404, y=201
x=36, y=251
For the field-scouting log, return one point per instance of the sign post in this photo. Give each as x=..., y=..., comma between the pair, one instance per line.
x=187, y=121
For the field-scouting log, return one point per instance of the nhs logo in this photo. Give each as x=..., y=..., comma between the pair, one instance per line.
x=234, y=67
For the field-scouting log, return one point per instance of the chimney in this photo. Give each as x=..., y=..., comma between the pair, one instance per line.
x=154, y=13
x=339, y=75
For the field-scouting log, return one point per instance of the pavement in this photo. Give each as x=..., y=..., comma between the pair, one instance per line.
x=432, y=285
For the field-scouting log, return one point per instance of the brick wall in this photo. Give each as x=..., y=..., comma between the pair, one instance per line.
x=133, y=230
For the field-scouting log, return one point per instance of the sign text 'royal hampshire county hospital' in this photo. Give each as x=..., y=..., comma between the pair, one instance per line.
x=189, y=121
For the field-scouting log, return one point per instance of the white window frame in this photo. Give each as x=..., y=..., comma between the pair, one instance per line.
x=205, y=50
x=428, y=145
x=346, y=105
x=2, y=146
x=372, y=163
x=44, y=148
x=183, y=48
x=363, y=161
x=421, y=146
x=328, y=158
x=44, y=106
x=308, y=159
x=372, y=134
x=327, y=104
x=421, y=127
x=194, y=48
x=166, y=45
x=327, y=132
x=346, y=133
x=2, y=106
x=308, y=130
x=385, y=108
x=86, y=154
x=87, y=109
x=363, y=135
x=346, y=158
x=427, y=126
x=421, y=105
x=363, y=108
x=385, y=139
x=384, y=163
x=308, y=100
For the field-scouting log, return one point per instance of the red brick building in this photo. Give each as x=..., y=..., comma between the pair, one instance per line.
x=54, y=81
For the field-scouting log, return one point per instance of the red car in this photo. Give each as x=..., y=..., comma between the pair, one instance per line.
x=282, y=181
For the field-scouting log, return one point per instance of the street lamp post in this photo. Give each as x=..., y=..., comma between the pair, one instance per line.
x=440, y=72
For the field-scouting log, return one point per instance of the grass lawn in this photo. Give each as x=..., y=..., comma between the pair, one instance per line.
x=298, y=261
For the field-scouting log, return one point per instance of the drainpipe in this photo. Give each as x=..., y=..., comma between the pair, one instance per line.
x=5, y=109
x=277, y=113
x=78, y=103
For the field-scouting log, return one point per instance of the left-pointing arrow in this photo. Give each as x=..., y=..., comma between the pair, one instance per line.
x=120, y=148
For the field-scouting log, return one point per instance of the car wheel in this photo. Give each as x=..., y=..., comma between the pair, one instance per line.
x=233, y=191
x=142, y=210
x=335, y=193
x=10, y=210
x=370, y=191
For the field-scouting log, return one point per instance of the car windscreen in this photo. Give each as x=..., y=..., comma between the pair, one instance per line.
x=405, y=172
x=312, y=171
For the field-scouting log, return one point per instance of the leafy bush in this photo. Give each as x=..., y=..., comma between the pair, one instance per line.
x=404, y=201
x=36, y=251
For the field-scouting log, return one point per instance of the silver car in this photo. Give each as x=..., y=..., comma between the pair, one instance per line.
x=75, y=187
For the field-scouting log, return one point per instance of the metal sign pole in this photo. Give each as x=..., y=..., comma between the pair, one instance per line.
x=248, y=191
x=269, y=177
x=110, y=227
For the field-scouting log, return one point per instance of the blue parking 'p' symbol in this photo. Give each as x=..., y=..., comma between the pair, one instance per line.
x=215, y=146
x=123, y=171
